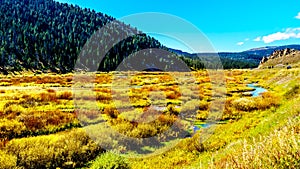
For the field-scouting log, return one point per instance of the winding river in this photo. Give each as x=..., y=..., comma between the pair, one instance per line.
x=255, y=93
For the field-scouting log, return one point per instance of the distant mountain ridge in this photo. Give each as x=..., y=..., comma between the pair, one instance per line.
x=251, y=57
x=268, y=50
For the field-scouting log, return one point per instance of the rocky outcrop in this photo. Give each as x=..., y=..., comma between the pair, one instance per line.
x=264, y=60
x=280, y=57
x=282, y=53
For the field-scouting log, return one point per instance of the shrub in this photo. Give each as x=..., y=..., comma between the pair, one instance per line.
x=267, y=100
x=244, y=104
x=110, y=160
x=66, y=150
x=202, y=115
x=166, y=119
x=51, y=90
x=13, y=110
x=144, y=131
x=48, y=97
x=204, y=105
x=11, y=128
x=111, y=111
x=229, y=111
x=103, y=97
x=7, y=161
x=172, y=110
x=67, y=95
x=172, y=93
x=48, y=120
x=192, y=144
x=293, y=91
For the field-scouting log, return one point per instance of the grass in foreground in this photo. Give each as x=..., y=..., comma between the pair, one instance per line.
x=42, y=117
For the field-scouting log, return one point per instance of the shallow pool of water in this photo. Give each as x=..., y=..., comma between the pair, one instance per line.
x=258, y=90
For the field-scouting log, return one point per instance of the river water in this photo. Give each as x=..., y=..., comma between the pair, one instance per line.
x=258, y=90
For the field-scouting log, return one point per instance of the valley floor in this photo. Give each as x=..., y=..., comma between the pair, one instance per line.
x=86, y=121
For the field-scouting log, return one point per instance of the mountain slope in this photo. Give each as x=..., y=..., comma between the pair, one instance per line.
x=48, y=35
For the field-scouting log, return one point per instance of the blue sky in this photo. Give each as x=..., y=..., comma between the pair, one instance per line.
x=231, y=25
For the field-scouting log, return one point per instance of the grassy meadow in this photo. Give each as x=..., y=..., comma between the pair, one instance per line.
x=40, y=126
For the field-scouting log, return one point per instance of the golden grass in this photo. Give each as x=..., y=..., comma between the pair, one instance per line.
x=30, y=107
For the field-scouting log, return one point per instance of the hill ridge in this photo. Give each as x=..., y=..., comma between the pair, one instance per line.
x=281, y=58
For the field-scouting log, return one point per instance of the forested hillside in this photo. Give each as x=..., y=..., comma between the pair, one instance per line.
x=47, y=35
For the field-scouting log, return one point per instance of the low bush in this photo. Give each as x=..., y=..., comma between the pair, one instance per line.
x=12, y=111
x=111, y=111
x=110, y=160
x=204, y=105
x=202, y=115
x=192, y=144
x=293, y=91
x=67, y=95
x=66, y=150
x=173, y=95
x=7, y=161
x=267, y=100
x=244, y=104
x=48, y=97
x=51, y=90
x=103, y=97
x=10, y=129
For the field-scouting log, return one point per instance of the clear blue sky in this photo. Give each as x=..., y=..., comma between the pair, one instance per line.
x=232, y=25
